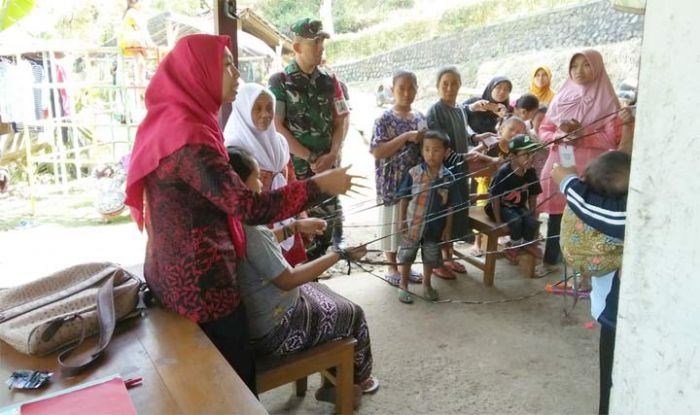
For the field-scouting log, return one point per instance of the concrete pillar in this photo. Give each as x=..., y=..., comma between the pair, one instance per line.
x=657, y=356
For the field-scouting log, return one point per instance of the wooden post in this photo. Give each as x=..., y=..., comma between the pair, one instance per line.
x=344, y=384
x=302, y=386
x=225, y=24
x=490, y=260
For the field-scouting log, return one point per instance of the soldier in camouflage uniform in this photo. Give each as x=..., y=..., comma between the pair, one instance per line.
x=312, y=119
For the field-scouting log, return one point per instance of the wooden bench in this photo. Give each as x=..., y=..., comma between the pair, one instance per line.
x=272, y=373
x=491, y=231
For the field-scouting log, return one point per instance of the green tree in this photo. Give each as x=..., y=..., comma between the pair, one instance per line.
x=13, y=10
x=92, y=21
x=355, y=15
x=348, y=15
x=186, y=7
x=283, y=13
x=96, y=21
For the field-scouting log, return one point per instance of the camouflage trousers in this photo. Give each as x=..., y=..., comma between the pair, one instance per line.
x=329, y=210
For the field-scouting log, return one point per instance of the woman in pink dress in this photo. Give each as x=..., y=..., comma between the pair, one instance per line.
x=585, y=106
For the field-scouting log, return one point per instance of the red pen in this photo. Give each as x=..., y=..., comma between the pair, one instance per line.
x=132, y=382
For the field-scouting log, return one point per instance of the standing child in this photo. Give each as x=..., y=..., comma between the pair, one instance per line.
x=394, y=146
x=450, y=119
x=537, y=120
x=428, y=193
x=513, y=194
x=526, y=107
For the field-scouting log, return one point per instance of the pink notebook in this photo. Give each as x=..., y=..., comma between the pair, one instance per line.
x=108, y=397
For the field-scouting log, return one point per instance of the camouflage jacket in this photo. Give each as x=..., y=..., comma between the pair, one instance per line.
x=308, y=106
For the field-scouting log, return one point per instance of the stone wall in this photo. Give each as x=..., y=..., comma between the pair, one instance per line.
x=589, y=24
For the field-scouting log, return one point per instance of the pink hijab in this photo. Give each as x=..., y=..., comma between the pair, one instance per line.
x=585, y=103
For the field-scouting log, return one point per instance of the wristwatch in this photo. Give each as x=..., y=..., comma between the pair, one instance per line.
x=287, y=231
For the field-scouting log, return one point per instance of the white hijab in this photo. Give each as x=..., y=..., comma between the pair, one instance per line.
x=269, y=148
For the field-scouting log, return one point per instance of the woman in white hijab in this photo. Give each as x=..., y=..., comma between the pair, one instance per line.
x=250, y=127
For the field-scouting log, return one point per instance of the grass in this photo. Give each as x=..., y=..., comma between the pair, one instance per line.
x=8, y=224
x=357, y=46
x=75, y=208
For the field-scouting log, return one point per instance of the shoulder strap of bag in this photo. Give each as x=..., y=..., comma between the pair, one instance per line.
x=106, y=320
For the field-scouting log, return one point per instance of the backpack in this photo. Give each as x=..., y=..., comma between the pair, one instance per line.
x=62, y=309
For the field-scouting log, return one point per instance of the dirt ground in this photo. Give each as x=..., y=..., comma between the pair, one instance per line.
x=514, y=357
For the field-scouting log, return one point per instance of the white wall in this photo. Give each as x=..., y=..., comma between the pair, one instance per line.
x=657, y=356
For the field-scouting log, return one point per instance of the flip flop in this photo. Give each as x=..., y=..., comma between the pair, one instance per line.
x=444, y=273
x=511, y=255
x=405, y=296
x=455, y=266
x=543, y=270
x=370, y=385
x=415, y=277
x=393, y=279
x=534, y=250
x=474, y=251
x=430, y=294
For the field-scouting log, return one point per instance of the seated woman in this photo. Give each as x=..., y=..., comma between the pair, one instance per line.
x=288, y=312
x=250, y=127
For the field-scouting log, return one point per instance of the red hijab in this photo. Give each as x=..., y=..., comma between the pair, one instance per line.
x=182, y=103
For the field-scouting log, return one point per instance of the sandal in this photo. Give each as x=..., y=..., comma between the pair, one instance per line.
x=583, y=285
x=369, y=385
x=392, y=279
x=444, y=273
x=455, y=266
x=415, y=277
x=544, y=270
x=477, y=252
x=430, y=294
x=405, y=296
x=534, y=250
x=511, y=255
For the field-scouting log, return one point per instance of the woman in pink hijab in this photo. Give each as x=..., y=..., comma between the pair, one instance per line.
x=585, y=99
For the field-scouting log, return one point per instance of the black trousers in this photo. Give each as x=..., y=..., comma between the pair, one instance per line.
x=521, y=223
x=230, y=335
x=608, y=324
x=607, y=353
x=551, y=247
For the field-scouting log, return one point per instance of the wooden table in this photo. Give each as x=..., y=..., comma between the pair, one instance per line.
x=183, y=372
